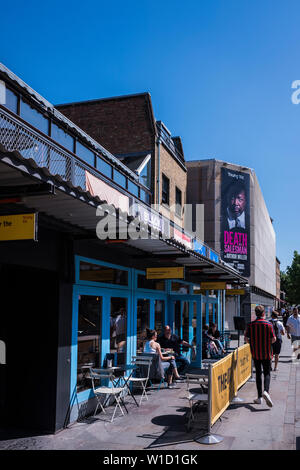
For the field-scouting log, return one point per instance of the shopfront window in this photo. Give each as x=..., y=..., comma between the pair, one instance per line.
x=118, y=330
x=97, y=273
x=152, y=284
x=203, y=314
x=180, y=288
x=159, y=316
x=143, y=322
x=89, y=336
x=194, y=324
x=177, y=318
x=185, y=322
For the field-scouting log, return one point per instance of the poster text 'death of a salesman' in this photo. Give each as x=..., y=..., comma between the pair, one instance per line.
x=235, y=220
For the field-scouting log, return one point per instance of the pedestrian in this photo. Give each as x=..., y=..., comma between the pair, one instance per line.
x=279, y=332
x=260, y=335
x=293, y=327
x=171, y=341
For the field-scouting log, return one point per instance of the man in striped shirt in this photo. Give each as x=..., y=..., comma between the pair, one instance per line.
x=260, y=335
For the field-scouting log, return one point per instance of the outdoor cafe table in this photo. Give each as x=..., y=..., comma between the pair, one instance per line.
x=123, y=368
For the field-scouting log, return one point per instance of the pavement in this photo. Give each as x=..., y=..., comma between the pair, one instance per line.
x=160, y=422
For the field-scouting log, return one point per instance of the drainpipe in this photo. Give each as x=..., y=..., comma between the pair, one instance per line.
x=158, y=172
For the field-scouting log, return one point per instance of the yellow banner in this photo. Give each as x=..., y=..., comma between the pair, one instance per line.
x=223, y=385
x=213, y=285
x=165, y=273
x=18, y=227
x=235, y=292
x=244, y=364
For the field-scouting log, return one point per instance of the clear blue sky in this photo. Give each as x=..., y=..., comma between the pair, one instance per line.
x=219, y=73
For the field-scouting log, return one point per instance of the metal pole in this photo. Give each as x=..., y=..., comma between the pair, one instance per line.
x=237, y=399
x=209, y=438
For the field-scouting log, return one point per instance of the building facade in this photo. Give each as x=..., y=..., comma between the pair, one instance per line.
x=238, y=225
x=73, y=297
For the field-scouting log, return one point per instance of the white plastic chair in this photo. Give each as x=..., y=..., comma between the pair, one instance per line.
x=105, y=390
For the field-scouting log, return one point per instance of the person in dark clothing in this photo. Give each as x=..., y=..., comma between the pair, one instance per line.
x=260, y=335
x=216, y=335
x=170, y=341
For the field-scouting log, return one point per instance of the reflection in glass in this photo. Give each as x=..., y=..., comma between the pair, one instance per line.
x=142, y=322
x=118, y=329
x=34, y=117
x=159, y=316
x=145, y=175
x=210, y=313
x=185, y=323
x=97, y=273
x=84, y=153
x=59, y=135
x=152, y=284
x=203, y=314
x=177, y=318
x=11, y=101
x=194, y=324
x=133, y=188
x=119, y=178
x=104, y=167
x=89, y=331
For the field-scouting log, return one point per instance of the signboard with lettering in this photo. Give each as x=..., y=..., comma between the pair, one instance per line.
x=223, y=385
x=199, y=248
x=165, y=273
x=235, y=220
x=213, y=285
x=18, y=227
x=244, y=363
x=235, y=292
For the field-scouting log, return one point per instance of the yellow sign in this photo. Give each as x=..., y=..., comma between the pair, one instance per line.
x=223, y=385
x=244, y=364
x=213, y=285
x=18, y=227
x=165, y=273
x=235, y=292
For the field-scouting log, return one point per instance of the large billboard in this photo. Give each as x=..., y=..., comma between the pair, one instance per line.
x=235, y=220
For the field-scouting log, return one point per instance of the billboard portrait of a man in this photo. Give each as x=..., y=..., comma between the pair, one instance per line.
x=235, y=220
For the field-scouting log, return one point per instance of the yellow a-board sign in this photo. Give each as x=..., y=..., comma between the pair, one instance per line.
x=18, y=227
x=244, y=364
x=223, y=385
x=165, y=273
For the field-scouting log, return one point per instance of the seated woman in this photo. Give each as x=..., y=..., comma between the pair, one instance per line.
x=168, y=362
x=215, y=334
x=209, y=348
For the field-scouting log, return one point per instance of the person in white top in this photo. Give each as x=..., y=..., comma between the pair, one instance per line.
x=168, y=362
x=293, y=327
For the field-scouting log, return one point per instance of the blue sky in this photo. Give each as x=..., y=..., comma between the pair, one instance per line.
x=219, y=73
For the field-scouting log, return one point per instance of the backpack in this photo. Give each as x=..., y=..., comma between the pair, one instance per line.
x=276, y=330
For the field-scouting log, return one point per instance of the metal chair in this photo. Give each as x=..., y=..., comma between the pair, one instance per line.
x=196, y=396
x=141, y=373
x=106, y=390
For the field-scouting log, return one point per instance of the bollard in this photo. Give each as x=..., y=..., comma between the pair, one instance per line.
x=209, y=438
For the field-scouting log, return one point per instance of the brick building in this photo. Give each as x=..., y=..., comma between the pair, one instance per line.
x=126, y=126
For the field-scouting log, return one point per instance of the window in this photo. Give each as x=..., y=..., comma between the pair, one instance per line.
x=84, y=153
x=153, y=284
x=178, y=201
x=159, y=316
x=34, y=117
x=165, y=190
x=62, y=137
x=96, y=273
x=118, y=330
x=142, y=322
x=89, y=331
x=104, y=167
x=145, y=175
x=133, y=188
x=11, y=101
x=119, y=178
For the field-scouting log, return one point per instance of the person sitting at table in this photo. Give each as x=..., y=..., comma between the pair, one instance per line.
x=209, y=347
x=215, y=334
x=173, y=342
x=168, y=362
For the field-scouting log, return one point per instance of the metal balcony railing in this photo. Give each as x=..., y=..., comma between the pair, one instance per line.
x=15, y=135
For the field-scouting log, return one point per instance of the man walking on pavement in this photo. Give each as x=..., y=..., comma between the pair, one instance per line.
x=293, y=327
x=261, y=336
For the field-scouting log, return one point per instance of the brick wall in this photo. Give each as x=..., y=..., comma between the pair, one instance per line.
x=121, y=125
